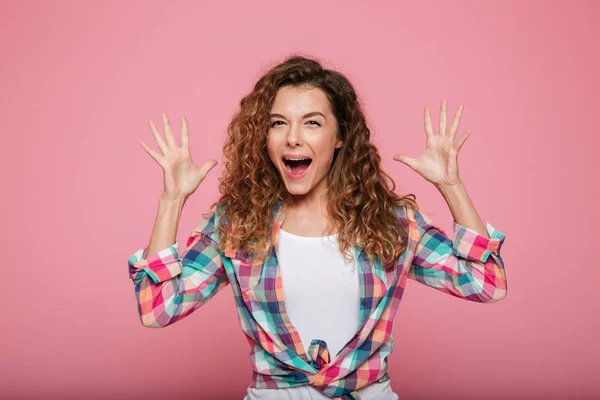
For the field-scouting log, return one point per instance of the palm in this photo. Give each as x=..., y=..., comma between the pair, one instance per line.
x=438, y=164
x=184, y=175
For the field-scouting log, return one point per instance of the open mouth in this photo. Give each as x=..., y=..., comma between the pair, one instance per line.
x=297, y=165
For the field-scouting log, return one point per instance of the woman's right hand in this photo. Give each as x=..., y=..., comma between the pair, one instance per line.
x=181, y=176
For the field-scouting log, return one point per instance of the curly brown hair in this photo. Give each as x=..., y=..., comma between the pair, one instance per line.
x=362, y=202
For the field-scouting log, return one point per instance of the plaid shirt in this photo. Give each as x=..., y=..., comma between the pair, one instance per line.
x=168, y=288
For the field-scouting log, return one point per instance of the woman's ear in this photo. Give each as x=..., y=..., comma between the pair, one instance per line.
x=338, y=144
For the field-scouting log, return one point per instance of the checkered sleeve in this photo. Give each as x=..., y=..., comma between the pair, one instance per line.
x=469, y=266
x=168, y=287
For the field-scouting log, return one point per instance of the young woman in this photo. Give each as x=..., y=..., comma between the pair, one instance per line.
x=311, y=237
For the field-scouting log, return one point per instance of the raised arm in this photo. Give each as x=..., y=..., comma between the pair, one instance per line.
x=469, y=266
x=169, y=288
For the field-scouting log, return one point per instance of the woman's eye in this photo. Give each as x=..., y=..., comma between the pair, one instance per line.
x=276, y=123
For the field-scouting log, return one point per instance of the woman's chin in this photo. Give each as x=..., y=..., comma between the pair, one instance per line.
x=297, y=189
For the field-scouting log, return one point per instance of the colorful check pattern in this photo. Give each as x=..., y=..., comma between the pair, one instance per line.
x=168, y=288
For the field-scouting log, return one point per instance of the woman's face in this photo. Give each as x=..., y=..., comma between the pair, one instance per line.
x=302, y=126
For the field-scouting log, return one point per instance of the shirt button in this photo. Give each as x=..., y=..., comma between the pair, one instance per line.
x=364, y=302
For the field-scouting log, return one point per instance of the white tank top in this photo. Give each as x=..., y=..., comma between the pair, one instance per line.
x=315, y=276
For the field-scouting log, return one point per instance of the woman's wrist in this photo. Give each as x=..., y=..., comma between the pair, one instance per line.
x=173, y=198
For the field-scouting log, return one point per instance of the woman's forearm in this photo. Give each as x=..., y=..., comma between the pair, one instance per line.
x=462, y=208
x=165, y=226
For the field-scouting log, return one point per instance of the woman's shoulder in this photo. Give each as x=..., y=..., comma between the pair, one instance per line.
x=415, y=218
x=405, y=213
x=209, y=223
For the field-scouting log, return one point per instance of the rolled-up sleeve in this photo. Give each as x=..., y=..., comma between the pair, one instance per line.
x=469, y=266
x=161, y=266
x=168, y=287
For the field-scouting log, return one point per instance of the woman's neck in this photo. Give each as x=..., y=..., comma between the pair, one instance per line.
x=306, y=204
x=307, y=216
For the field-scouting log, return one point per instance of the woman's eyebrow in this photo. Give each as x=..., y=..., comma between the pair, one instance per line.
x=310, y=114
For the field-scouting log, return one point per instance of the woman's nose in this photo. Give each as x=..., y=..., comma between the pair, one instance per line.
x=293, y=136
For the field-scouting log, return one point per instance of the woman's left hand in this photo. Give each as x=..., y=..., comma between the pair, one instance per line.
x=439, y=162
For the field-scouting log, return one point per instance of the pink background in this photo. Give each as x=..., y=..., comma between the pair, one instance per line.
x=81, y=80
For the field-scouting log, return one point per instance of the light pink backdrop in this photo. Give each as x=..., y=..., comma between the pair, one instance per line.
x=81, y=80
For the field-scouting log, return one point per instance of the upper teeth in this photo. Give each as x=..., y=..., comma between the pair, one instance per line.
x=296, y=159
